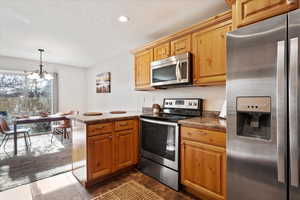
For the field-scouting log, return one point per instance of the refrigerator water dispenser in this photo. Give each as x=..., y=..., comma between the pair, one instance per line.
x=254, y=117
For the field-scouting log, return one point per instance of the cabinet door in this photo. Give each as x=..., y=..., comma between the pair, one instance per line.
x=181, y=45
x=125, y=149
x=250, y=11
x=142, y=69
x=203, y=169
x=209, y=50
x=100, y=156
x=162, y=51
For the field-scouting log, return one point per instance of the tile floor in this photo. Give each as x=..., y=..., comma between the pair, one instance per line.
x=40, y=160
x=66, y=187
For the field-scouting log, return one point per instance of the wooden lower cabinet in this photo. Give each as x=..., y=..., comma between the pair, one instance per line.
x=100, y=153
x=125, y=149
x=203, y=169
x=103, y=149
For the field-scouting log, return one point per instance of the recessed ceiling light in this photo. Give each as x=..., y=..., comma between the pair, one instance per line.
x=123, y=18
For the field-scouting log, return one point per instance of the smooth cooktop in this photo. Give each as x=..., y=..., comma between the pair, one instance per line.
x=165, y=117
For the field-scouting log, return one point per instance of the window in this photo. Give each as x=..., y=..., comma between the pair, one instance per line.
x=22, y=96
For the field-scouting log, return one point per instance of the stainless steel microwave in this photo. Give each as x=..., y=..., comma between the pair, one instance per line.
x=175, y=70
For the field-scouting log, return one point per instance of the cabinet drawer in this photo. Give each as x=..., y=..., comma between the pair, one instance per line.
x=124, y=125
x=205, y=136
x=96, y=129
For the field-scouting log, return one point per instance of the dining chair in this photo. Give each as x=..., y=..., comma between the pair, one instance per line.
x=62, y=128
x=7, y=132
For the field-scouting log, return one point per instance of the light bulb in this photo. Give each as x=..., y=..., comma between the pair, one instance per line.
x=48, y=76
x=123, y=18
x=33, y=76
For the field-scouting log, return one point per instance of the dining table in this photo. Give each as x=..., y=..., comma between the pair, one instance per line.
x=31, y=120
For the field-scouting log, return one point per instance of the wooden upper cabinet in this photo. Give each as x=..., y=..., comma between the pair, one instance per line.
x=209, y=54
x=181, y=45
x=125, y=149
x=142, y=69
x=250, y=11
x=161, y=51
x=100, y=153
x=205, y=40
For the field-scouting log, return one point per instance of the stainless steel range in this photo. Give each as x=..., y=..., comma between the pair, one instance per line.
x=160, y=139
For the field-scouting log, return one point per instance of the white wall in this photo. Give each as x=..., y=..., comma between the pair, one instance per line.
x=124, y=97
x=72, y=81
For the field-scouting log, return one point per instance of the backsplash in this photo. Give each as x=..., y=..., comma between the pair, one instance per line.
x=213, y=96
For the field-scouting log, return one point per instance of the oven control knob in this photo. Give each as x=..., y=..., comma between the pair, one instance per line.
x=195, y=104
x=190, y=103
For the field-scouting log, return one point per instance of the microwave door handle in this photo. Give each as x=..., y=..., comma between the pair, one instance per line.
x=293, y=111
x=177, y=71
x=281, y=117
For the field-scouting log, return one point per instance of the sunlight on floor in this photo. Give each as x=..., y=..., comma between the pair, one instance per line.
x=53, y=185
x=42, y=159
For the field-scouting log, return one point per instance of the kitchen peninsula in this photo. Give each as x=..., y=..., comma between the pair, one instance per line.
x=104, y=145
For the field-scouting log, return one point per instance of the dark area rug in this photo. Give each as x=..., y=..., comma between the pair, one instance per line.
x=41, y=160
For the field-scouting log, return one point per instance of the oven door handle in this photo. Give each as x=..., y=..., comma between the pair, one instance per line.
x=159, y=122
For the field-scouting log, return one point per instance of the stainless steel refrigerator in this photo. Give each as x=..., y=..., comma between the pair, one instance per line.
x=263, y=107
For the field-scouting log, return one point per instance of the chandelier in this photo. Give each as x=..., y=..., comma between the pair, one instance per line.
x=40, y=74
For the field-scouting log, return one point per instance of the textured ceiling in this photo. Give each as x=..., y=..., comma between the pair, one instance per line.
x=86, y=32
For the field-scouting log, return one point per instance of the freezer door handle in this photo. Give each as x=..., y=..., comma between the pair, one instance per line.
x=293, y=111
x=281, y=110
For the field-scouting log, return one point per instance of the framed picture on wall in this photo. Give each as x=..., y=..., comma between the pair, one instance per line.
x=103, y=82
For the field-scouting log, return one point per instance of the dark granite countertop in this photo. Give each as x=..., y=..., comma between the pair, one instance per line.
x=208, y=123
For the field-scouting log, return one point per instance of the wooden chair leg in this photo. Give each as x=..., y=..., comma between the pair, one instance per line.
x=52, y=136
x=25, y=140
x=65, y=133
x=6, y=141
x=28, y=136
x=62, y=137
x=3, y=140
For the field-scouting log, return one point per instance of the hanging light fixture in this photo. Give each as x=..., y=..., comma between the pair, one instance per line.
x=40, y=74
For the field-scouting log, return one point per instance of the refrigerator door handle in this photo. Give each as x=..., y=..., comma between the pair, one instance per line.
x=293, y=111
x=281, y=110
